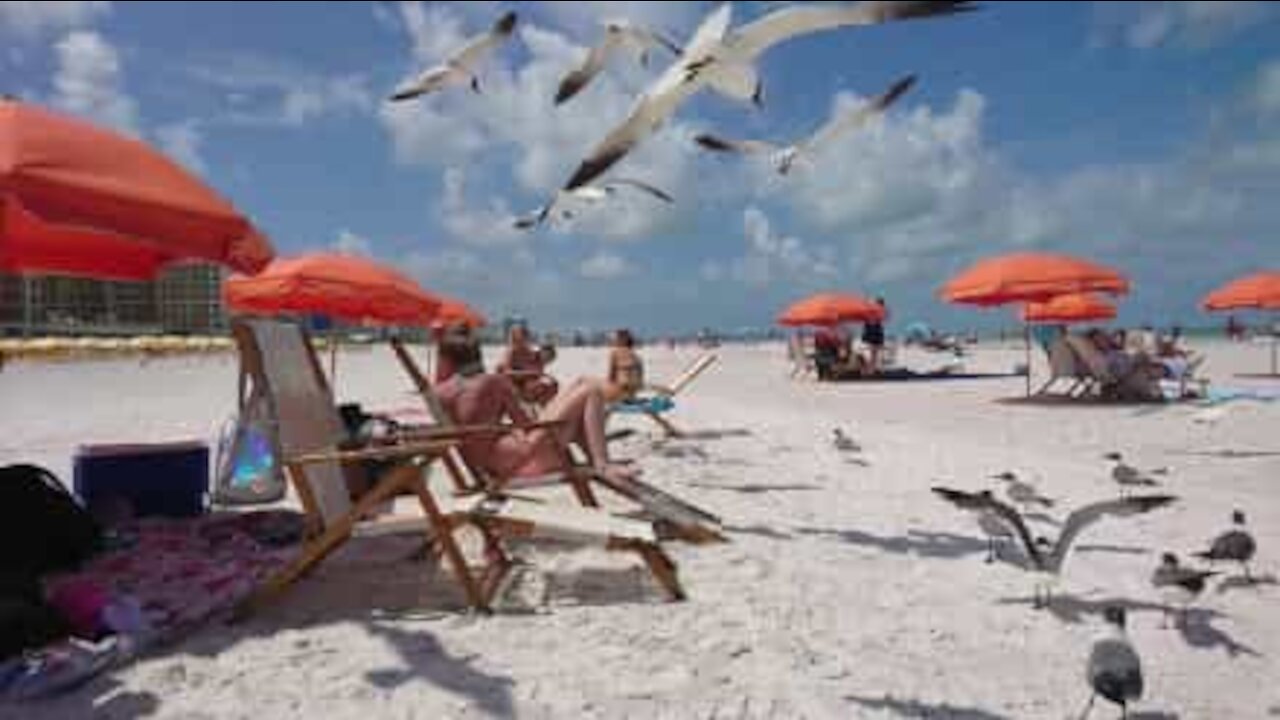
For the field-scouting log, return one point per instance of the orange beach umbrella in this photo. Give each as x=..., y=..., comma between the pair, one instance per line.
x=341, y=286
x=81, y=200
x=1260, y=291
x=831, y=309
x=1080, y=307
x=1031, y=277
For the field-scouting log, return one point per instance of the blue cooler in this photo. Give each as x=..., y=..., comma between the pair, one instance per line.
x=168, y=479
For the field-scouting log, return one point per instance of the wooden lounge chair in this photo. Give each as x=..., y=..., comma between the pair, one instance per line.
x=1064, y=365
x=1130, y=387
x=673, y=517
x=278, y=359
x=654, y=404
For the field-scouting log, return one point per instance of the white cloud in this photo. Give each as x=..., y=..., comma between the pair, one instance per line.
x=584, y=17
x=770, y=257
x=349, y=243
x=182, y=141
x=267, y=91
x=1197, y=23
x=89, y=81
x=1266, y=93
x=30, y=19
x=488, y=225
x=604, y=265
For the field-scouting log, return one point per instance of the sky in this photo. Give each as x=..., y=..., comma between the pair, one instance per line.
x=1145, y=135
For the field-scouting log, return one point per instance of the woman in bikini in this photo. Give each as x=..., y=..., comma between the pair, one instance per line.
x=474, y=397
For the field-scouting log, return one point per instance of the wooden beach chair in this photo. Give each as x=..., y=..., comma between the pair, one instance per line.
x=278, y=359
x=672, y=516
x=1131, y=387
x=1064, y=365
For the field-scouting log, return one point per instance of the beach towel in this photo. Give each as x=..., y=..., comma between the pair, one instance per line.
x=655, y=404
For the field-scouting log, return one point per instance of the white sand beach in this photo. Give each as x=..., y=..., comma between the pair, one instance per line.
x=847, y=590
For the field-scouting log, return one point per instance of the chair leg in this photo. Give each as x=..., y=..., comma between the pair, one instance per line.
x=659, y=563
x=667, y=427
x=312, y=554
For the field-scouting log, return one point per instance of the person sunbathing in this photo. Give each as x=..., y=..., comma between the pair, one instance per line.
x=625, y=380
x=526, y=365
x=473, y=397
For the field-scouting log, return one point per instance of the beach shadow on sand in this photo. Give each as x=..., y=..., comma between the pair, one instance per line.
x=1240, y=582
x=758, y=488
x=714, y=434
x=424, y=659
x=944, y=545
x=918, y=709
x=763, y=531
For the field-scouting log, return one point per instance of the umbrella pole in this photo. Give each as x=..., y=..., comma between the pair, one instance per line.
x=333, y=359
x=1274, y=339
x=1026, y=337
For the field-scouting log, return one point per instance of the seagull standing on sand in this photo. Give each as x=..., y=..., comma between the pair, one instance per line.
x=460, y=68
x=1235, y=545
x=784, y=157
x=1128, y=476
x=618, y=35
x=1022, y=493
x=1047, y=558
x=1179, y=585
x=587, y=194
x=843, y=442
x=1114, y=670
x=724, y=61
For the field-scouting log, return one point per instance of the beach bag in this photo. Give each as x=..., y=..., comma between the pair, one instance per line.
x=248, y=468
x=42, y=527
x=26, y=621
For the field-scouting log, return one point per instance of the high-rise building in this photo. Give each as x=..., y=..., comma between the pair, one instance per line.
x=184, y=299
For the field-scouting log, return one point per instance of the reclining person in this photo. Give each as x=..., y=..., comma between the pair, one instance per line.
x=473, y=397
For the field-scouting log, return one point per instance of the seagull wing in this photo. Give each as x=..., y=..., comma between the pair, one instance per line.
x=646, y=39
x=573, y=81
x=754, y=38
x=475, y=50
x=846, y=121
x=977, y=502
x=429, y=80
x=646, y=187
x=1083, y=517
x=722, y=144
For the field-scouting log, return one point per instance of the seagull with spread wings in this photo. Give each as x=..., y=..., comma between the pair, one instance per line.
x=1047, y=558
x=461, y=67
x=785, y=156
x=725, y=61
x=587, y=194
x=618, y=35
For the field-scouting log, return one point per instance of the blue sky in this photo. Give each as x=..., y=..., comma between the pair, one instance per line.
x=1141, y=134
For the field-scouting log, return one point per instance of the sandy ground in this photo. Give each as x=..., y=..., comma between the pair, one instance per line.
x=848, y=590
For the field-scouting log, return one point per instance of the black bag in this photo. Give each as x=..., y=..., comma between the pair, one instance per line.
x=42, y=527
x=26, y=622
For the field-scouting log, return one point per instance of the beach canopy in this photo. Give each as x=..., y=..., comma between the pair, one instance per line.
x=77, y=199
x=827, y=309
x=340, y=286
x=1259, y=291
x=1031, y=277
x=1080, y=307
x=455, y=311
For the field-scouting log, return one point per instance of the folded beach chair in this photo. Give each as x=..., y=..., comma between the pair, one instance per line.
x=673, y=517
x=278, y=358
x=1131, y=387
x=1063, y=365
x=802, y=361
x=654, y=404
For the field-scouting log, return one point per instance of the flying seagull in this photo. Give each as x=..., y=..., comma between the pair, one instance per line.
x=1179, y=585
x=1047, y=558
x=1114, y=670
x=460, y=68
x=1235, y=545
x=589, y=194
x=618, y=35
x=723, y=60
x=1128, y=476
x=784, y=157
x=1021, y=492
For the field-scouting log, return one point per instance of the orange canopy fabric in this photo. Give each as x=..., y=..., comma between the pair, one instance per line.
x=1081, y=307
x=454, y=311
x=1260, y=291
x=78, y=199
x=341, y=286
x=1031, y=277
x=831, y=309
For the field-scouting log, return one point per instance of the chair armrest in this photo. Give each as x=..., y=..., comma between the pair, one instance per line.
x=383, y=452
x=433, y=432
